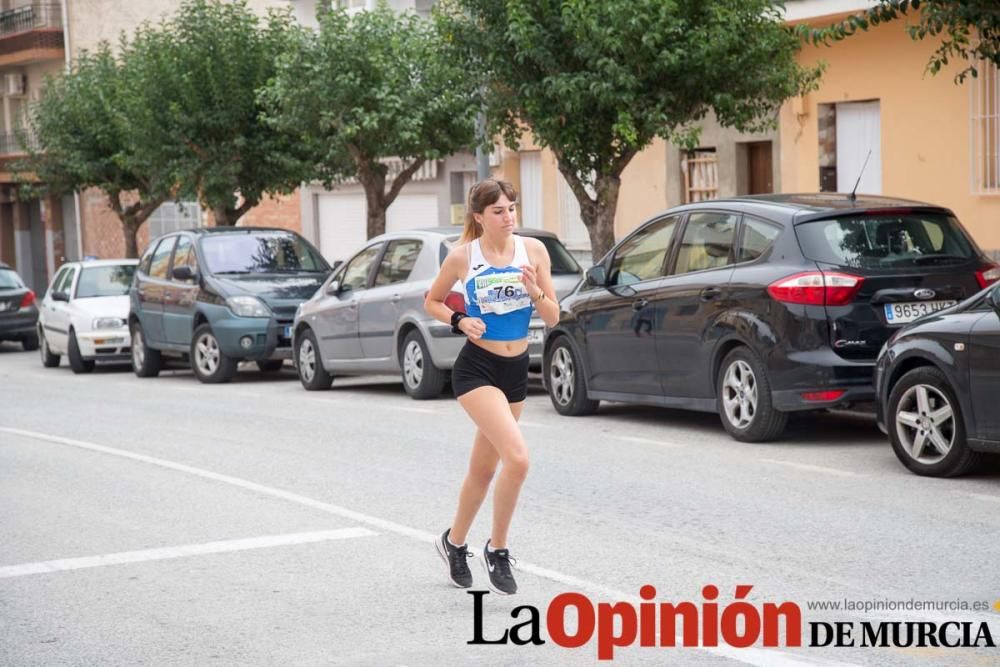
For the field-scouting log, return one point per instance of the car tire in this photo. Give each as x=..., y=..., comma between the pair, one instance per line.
x=30, y=343
x=309, y=363
x=421, y=378
x=76, y=362
x=744, y=399
x=270, y=365
x=931, y=409
x=146, y=362
x=564, y=379
x=209, y=363
x=49, y=360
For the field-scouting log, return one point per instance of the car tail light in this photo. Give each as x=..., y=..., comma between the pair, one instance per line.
x=455, y=301
x=816, y=288
x=27, y=299
x=988, y=275
x=824, y=396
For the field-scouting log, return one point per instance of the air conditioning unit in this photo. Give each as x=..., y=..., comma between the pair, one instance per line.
x=14, y=85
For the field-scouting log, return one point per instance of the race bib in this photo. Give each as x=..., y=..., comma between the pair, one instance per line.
x=501, y=293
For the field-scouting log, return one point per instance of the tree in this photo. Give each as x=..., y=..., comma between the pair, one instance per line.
x=370, y=86
x=970, y=29
x=196, y=111
x=597, y=80
x=78, y=136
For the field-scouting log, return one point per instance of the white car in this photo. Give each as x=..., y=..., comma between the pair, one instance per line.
x=84, y=314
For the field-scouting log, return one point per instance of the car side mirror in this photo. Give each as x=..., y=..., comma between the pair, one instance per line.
x=597, y=276
x=993, y=299
x=336, y=264
x=60, y=296
x=183, y=273
x=333, y=288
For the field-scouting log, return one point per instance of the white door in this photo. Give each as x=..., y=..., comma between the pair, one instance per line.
x=531, y=190
x=409, y=211
x=342, y=225
x=859, y=130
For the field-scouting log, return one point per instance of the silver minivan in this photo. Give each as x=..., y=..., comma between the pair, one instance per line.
x=368, y=317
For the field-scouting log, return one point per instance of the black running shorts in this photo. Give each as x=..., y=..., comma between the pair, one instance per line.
x=476, y=367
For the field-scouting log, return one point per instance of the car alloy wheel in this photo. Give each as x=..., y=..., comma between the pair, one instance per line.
x=413, y=364
x=138, y=349
x=925, y=424
x=739, y=394
x=307, y=360
x=562, y=376
x=207, y=354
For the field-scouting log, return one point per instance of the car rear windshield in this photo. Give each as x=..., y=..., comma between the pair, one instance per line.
x=10, y=280
x=235, y=253
x=886, y=241
x=562, y=261
x=105, y=281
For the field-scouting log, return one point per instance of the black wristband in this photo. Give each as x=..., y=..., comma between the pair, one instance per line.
x=457, y=317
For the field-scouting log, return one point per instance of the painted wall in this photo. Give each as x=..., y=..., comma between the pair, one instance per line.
x=924, y=122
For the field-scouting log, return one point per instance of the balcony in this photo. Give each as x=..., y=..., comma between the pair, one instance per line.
x=31, y=34
x=14, y=145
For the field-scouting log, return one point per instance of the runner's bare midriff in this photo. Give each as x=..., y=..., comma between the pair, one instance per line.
x=504, y=348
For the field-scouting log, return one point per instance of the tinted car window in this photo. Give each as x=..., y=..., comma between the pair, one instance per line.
x=105, y=281
x=158, y=265
x=10, y=280
x=707, y=243
x=641, y=256
x=147, y=259
x=886, y=241
x=397, y=262
x=562, y=261
x=184, y=255
x=356, y=273
x=261, y=252
x=757, y=238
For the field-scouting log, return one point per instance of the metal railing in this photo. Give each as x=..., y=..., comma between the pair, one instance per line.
x=13, y=144
x=30, y=17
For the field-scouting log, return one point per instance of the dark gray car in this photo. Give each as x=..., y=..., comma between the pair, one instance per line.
x=18, y=309
x=368, y=317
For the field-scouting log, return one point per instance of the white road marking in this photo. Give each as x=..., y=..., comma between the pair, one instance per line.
x=811, y=468
x=165, y=553
x=752, y=656
x=647, y=441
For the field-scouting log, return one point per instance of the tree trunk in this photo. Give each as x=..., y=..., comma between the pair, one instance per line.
x=372, y=176
x=130, y=227
x=375, y=204
x=601, y=225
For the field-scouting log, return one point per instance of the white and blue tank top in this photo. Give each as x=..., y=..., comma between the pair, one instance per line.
x=497, y=295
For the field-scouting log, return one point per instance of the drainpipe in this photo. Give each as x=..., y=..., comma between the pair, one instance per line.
x=76, y=193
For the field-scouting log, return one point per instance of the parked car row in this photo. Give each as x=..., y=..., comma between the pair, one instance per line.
x=753, y=308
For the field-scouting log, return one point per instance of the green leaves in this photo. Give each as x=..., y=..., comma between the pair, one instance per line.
x=970, y=29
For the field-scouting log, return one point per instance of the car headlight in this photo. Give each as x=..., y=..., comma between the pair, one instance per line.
x=248, y=306
x=108, y=323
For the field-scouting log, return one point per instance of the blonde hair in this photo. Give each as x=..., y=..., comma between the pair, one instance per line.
x=482, y=194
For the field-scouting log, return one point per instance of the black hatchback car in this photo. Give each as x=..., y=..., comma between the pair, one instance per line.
x=938, y=384
x=18, y=309
x=218, y=296
x=757, y=307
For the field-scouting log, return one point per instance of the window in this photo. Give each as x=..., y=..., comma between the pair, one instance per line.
x=641, y=256
x=562, y=262
x=397, y=262
x=757, y=238
x=356, y=273
x=67, y=282
x=173, y=217
x=4, y=279
x=700, y=169
x=161, y=258
x=886, y=241
x=184, y=255
x=147, y=259
x=10, y=280
x=984, y=128
x=707, y=242
x=105, y=281
x=260, y=252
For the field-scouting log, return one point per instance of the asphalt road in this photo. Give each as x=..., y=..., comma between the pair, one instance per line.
x=165, y=522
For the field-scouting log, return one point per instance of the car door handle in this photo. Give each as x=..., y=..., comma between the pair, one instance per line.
x=396, y=298
x=710, y=293
x=639, y=304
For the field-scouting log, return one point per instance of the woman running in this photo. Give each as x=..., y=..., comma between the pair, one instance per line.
x=503, y=277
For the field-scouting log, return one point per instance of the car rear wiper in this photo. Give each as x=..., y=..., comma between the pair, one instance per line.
x=928, y=259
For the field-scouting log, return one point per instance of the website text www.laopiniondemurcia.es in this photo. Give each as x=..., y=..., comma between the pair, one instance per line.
x=737, y=623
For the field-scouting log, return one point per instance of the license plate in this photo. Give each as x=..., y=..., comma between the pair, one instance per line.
x=288, y=332
x=901, y=313
x=535, y=336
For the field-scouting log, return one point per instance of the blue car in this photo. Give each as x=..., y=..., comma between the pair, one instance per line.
x=217, y=296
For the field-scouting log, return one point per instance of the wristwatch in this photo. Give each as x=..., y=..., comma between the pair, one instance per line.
x=457, y=317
